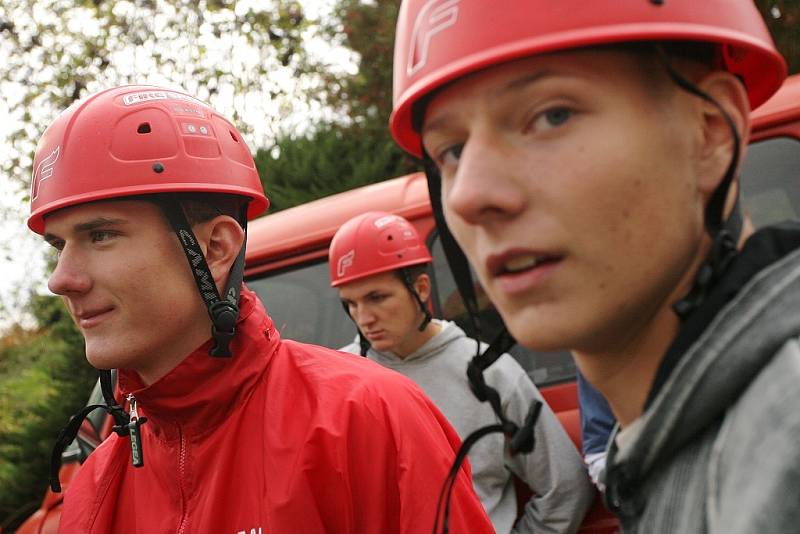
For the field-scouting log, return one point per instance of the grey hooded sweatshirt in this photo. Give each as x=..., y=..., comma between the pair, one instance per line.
x=717, y=450
x=554, y=471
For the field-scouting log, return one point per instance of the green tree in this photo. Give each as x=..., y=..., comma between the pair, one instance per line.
x=44, y=378
x=356, y=147
x=53, y=52
x=783, y=20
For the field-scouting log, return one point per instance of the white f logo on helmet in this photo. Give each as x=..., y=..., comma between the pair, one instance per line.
x=435, y=16
x=44, y=170
x=344, y=262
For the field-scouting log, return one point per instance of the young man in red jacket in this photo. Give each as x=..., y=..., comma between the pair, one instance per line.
x=228, y=428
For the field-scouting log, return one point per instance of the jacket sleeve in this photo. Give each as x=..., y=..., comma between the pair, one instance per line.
x=554, y=471
x=424, y=445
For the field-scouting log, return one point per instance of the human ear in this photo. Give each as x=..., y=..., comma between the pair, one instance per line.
x=221, y=239
x=423, y=286
x=717, y=141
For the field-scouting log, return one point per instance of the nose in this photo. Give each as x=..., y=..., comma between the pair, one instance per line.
x=70, y=276
x=363, y=316
x=484, y=187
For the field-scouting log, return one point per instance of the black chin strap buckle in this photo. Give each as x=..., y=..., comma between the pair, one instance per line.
x=476, y=381
x=523, y=440
x=723, y=252
x=223, y=327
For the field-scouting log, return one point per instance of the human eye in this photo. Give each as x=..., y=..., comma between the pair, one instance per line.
x=447, y=159
x=376, y=298
x=551, y=118
x=100, y=236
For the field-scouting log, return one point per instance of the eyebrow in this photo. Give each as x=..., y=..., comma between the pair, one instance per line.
x=512, y=86
x=88, y=226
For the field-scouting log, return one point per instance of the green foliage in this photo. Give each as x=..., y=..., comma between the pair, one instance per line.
x=331, y=159
x=55, y=51
x=340, y=155
x=44, y=378
x=783, y=20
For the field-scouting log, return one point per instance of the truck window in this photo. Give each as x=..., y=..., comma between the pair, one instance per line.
x=771, y=180
x=304, y=306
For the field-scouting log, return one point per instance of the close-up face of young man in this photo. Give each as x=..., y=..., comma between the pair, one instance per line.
x=385, y=311
x=125, y=281
x=576, y=183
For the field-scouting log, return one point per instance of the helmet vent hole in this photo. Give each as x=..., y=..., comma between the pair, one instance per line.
x=390, y=238
x=233, y=136
x=144, y=128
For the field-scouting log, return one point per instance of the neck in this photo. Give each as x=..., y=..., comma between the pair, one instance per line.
x=624, y=376
x=417, y=339
x=175, y=351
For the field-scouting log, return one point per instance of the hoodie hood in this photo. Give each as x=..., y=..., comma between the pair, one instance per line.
x=741, y=337
x=449, y=333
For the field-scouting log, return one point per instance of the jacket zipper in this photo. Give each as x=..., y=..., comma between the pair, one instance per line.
x=181, y=479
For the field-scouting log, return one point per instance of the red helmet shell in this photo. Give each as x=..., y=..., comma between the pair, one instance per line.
x=138, y=140
x=440, y=40
x=373, y=243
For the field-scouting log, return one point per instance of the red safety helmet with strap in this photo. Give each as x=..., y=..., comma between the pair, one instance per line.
x=139, y=140
x=373, y=243
x=438, y=41
x=144, y=141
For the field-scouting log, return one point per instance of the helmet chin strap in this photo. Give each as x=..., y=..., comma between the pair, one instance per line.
x=224, y=312
x=724, y=233
x=426, y=314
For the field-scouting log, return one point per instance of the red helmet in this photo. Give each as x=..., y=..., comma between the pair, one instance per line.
x=440, y=40
x=138, y=140
x=373, y=243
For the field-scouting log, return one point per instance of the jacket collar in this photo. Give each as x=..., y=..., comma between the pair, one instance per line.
x=752, y=313
x=435, y=345
x=201, y=391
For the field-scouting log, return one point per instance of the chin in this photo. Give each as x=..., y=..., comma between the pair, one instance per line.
x=534, y=332
x=103, y=356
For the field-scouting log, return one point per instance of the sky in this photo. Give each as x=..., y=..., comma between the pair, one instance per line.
x=23, y=254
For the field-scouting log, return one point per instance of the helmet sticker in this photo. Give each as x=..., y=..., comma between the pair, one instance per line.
x=344, y=262
x=180, y=109
x=148, y=96
x=44, y=171
x=435, y=16
x=383, y=221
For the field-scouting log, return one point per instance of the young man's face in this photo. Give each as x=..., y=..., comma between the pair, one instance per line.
x=125, y=280
x=385, y=312
x=570, y=182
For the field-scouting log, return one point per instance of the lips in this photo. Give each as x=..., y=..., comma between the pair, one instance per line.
x=519, y=271
x=374, y=335
x=92, y=317
x=518, y=260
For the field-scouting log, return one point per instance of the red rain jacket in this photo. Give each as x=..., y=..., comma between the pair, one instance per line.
x=283, y=438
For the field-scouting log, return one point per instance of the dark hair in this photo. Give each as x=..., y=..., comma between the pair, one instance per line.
x=202, y=207
x=414, y=272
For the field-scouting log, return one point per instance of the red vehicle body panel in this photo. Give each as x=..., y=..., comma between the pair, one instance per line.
x=299, y=235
